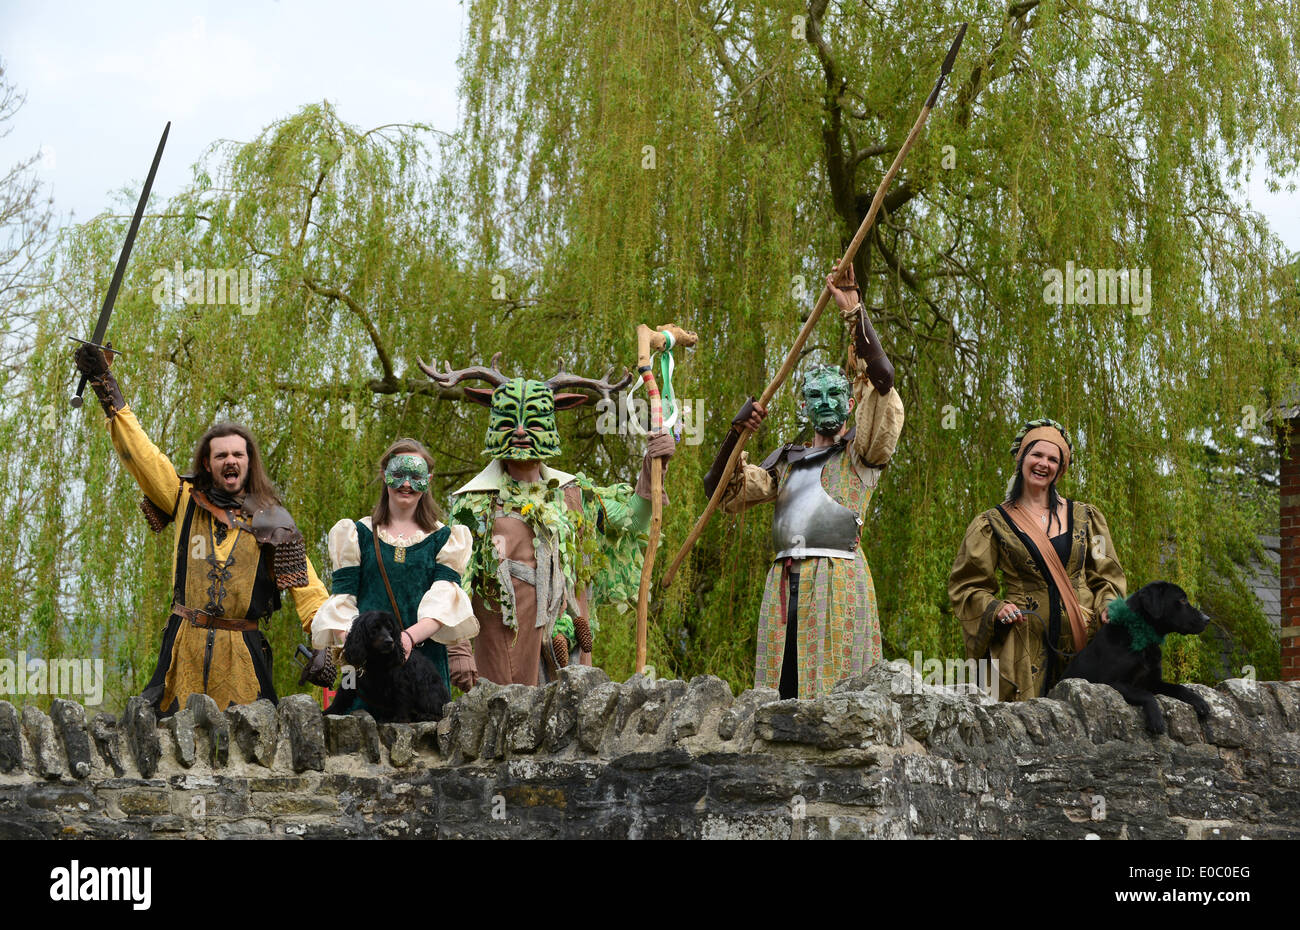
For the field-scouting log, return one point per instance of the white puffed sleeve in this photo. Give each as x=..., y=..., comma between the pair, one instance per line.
x=447, y=602
x=334, y=618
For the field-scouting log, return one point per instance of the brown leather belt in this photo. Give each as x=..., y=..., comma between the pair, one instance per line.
x=208, y=622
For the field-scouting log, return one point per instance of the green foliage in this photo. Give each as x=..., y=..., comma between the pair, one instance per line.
x=637, y=161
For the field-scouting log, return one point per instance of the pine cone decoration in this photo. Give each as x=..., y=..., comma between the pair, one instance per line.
x=560, y=651
x=582, y=630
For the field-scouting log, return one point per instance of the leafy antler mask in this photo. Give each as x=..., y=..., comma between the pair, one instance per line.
x=522, y=426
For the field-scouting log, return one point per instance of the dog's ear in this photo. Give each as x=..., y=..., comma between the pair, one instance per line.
x=354, y=647
x=1146, y=600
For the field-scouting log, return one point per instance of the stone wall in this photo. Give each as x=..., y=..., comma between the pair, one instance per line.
x=881, y=756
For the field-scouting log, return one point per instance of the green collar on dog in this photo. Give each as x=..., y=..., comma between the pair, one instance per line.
x=1139, y=630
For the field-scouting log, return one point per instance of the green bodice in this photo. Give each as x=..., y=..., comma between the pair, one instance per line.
x=411, y=576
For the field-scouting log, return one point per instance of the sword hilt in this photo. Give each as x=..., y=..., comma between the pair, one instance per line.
x=76, y=400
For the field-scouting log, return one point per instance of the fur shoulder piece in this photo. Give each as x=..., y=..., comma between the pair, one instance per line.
x=1139, y=631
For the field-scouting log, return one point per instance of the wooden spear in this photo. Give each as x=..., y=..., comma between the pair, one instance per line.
x=698, y=529
x=649, y=341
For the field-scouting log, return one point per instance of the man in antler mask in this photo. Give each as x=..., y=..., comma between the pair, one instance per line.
x=548, y=546
x=235, y=550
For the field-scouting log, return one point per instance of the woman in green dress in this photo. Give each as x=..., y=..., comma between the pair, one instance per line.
x=422, y=558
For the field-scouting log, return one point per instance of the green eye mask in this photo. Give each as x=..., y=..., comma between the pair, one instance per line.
x=522, y=424
x=826, y=398
x=407, y=468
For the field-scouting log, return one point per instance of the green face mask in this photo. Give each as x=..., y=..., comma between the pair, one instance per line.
x=522, y=425
x=405, y=468
x=826, y=398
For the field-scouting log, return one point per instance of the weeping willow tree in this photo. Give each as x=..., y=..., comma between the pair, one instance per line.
x=705, y=163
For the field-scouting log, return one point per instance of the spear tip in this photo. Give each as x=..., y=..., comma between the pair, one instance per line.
x=952, y=52
x=947, y=66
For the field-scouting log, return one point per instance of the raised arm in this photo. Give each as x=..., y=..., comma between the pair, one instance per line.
x=152, y=470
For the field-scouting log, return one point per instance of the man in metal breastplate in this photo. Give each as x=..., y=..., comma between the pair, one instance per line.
x=819, y=622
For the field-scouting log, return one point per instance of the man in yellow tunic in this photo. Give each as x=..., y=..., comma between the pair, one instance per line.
x=234, y=550
x=819, y=622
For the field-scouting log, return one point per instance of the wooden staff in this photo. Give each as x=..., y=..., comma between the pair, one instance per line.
x=649, y=341
x=793, y=356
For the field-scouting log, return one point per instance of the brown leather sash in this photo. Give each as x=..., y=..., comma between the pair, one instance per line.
x=208, y=622
x=379, y=557
x=1031, y=528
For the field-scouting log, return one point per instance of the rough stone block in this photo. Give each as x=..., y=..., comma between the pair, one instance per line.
x=527, y=726
x=181, y=727
x=737, y=723
x=1287, y=696
x=1181, y=722
x=469, y=718
x=1102, y=710
x=854, y=719
x=70, y=724
x=594, y=714
x=342, y=735
x=510, y=703
x=1225, y=725
x=664, y=695
x=424, y=737
x=45, y=745
x=573, y=684
x=215, y=724
x=1251, y=698
x=400, y=740
x=256, y=728
x=368, y=733
x=632, y=694
x=142, y=737
x=108, y=740
x=11, y=738
x=303, y=726
x=707, y=697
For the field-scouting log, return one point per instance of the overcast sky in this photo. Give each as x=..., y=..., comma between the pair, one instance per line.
x=102, y=78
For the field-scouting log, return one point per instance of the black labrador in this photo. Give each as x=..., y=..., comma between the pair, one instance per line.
x=395, y=691
x=1110, y=658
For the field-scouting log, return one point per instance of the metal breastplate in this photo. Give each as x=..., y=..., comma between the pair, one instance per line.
x=808, y=521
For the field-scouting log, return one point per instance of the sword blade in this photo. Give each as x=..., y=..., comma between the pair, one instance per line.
x=101, y=325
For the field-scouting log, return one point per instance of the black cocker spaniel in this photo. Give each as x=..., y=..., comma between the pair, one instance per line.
x=394, y=691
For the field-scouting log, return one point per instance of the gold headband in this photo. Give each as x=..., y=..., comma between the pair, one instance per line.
x=1055, y=437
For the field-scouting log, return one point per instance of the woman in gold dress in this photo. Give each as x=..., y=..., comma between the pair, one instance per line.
x=1059, y=571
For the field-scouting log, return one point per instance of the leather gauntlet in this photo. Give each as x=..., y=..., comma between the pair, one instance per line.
x=869, y=352
x=92, y=363
x=728, y=443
